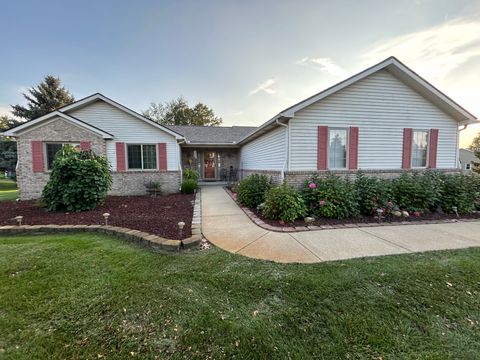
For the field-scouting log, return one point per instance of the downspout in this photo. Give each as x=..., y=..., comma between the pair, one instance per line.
x=180, y=159
x=287, y=145
x=459, y=166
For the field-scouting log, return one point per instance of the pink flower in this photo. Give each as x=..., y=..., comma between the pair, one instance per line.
x=322, y=202
x=312, y=186
x=416, y=213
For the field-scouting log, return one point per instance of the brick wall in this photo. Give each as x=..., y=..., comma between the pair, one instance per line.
x=133, y=182
x=275, y=175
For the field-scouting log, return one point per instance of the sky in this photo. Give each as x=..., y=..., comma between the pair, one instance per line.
x=247, y=59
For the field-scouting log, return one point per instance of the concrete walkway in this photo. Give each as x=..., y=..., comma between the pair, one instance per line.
x=225, y=225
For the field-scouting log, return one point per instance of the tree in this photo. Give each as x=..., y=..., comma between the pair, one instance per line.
x=8, y=148
x=7, y=122
x=178, y=112
x=46, y=97
x=475, y=147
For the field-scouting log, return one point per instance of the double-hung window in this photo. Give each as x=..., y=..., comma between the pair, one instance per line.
x=142, y=156
x=51, y=150
x=337, y=148
x=419, y=148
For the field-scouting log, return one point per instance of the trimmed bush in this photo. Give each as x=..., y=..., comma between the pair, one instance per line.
x=284, y=203
x=251, y=191
x=331, y=197
x=188, y=186
x=79, y=181
x=373, y=193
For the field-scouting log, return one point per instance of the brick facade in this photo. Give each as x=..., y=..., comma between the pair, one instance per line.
x=276, y=176
x=31, y=183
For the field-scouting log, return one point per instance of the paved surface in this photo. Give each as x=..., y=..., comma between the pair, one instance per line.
x=225, y=225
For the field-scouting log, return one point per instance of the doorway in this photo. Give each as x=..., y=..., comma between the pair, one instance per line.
x=209, y=166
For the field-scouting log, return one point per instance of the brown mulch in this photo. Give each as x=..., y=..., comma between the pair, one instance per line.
x=158, y=216
x=365, y=219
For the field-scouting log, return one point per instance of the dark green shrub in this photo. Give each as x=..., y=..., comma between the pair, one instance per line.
x=331, y=197
x=190, y=174
x=284, y=203
x=460, y=191
x=251, y=191
x=418, y=192
x=189, y=186
x=79, y=181
x=373, y=193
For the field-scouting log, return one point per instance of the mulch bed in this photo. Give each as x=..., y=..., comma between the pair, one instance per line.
x=158, y=216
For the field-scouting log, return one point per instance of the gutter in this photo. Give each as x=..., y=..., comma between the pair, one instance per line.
x=287, y=145
x=459, y=166
x=179, y=162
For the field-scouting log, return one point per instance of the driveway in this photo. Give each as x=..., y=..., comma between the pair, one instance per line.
x=225, y=225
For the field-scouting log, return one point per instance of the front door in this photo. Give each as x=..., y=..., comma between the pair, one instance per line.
x=209, y=165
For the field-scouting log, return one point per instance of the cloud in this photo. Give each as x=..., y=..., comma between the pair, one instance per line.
x=4, y=110
x=434, y=52
x=265, y=87
x=325, y=65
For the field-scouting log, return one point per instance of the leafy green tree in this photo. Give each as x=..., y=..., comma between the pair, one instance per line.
x=7, y=122
x=46, y=97
x=178, y=112
x=475, y=147
x=8, y=148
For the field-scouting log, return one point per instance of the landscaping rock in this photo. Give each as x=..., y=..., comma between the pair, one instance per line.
x=171, y=245
x=309, y=219
x=405, y=213
x=397, y=213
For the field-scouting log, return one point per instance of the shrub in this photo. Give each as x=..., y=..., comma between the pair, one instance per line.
x=373, y=193
x=331, y=197
x=79, y=181
x=189, y=186
x=417, y=192
x=284, y=203
x=190, y=174
x=251, y=191
x=460, y=191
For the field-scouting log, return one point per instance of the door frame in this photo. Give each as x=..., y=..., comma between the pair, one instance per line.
x=215, y=167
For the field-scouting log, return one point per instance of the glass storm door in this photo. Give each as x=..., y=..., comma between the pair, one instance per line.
x=209, y=165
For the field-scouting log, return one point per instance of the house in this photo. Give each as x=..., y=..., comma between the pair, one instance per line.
x=467, y=159
x=383, y=120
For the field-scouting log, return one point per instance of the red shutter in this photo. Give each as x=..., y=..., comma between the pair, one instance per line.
x=432, y=151
x=120, y=148
x=85, y=145
x=407, y=148
x=353, y=149
x=37, y=156
x=322, y=142
x=162, y=156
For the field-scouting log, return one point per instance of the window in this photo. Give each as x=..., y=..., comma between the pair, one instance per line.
x=51, y=150
x=337, y=148
x=142, y=157
x=468, y=166
x=419, y=148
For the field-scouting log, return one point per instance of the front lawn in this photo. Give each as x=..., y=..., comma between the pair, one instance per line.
x=8, y=189
x=91, y=296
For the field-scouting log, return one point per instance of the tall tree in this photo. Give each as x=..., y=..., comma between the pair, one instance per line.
x=8, y=148
x=7, y=122
x=475, y=147
x=47, y=96
x=178, y=112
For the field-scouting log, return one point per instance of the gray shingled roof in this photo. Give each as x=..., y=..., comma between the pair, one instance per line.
x=212, y=134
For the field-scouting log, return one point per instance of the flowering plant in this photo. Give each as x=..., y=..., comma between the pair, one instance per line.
x=312, y=185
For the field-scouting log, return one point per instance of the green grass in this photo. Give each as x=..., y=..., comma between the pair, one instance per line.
x=91, y=296
x=8, y=189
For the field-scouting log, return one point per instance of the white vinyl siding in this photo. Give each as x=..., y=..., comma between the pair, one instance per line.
x=381, y=106
x=266, y=152
x=126, y=128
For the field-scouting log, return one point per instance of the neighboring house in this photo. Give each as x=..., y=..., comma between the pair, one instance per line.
x=467, y=159
x=383, y=120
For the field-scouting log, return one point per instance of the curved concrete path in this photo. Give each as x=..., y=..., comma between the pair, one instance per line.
x=226, y=225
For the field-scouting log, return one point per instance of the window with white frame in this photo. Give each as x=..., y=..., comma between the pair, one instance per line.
x=337, y=148
x=142, y=156
x=419, y=148
x=51, y=149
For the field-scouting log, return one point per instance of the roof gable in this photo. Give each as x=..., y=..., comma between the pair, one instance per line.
x=228, y=135
x=38, y=121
